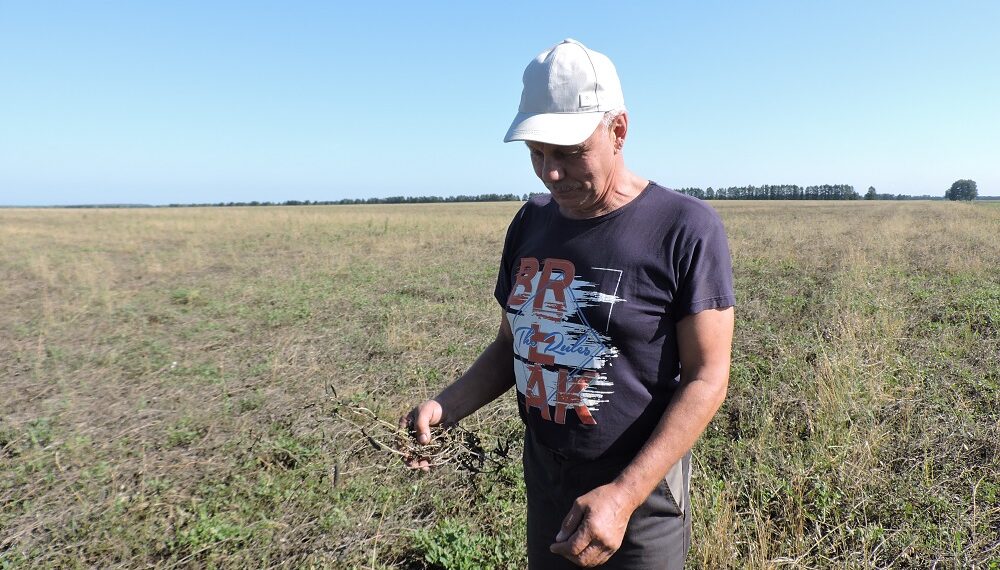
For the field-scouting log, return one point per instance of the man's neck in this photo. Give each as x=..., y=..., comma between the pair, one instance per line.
x=628, y=189
x=625, y=188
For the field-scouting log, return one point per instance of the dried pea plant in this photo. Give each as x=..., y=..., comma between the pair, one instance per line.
x=452, y=444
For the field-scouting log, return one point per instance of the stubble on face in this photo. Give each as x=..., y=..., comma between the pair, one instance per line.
x=586, y=172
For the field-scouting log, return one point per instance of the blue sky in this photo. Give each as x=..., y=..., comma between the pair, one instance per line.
x=160, y=102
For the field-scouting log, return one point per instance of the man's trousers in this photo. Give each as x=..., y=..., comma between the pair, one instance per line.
x=658, y=534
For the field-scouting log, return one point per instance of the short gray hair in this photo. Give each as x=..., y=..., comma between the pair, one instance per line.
x=609, y=117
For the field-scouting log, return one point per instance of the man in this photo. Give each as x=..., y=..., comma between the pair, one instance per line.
x=616, y=330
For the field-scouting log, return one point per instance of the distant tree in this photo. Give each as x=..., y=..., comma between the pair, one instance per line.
x=871, y=194
x=962, y=190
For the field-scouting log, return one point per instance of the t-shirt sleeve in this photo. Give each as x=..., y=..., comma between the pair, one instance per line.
x=504, y=273
x=502, y=289
x=706, y=270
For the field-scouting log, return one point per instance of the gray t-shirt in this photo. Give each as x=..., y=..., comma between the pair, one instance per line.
x=593, y=305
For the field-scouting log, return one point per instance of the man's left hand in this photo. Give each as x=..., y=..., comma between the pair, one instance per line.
x=594, y=528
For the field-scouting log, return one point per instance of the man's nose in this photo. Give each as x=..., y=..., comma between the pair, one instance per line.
x=552, y=170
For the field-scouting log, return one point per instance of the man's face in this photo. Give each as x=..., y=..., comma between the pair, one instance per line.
x=579, y=177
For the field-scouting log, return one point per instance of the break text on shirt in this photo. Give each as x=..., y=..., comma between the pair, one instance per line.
x=559, y=355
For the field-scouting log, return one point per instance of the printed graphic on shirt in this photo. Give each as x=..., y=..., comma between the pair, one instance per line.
x=561, y=348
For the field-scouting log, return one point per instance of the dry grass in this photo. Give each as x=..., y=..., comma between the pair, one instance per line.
x=174, y=385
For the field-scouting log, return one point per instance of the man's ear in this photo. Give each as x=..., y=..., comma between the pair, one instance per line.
x=619, y=129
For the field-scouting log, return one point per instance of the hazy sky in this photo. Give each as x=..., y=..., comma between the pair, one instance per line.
x=170, y=101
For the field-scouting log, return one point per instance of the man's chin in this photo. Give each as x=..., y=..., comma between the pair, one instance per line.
x=568, y=196
x=570, y=200
x=562, y=199
x=561, y=190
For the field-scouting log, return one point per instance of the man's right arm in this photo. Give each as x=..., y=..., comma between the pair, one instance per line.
x=487, y=379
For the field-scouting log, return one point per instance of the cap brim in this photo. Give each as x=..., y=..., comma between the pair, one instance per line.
x=553, y=128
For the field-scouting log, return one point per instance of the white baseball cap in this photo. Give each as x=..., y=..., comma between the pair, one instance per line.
x=567, y=90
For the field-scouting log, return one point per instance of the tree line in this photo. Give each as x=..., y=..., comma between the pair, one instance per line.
x=387, y=200
x=775, y=192
x=960, y=190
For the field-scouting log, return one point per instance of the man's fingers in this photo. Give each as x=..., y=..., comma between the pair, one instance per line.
x=574, y=536
x=579, y=541
x=419, y=464
x=593, y=555
x=404, y=420
x=570, y=522
x=562, y=549
x=582, y=550
x=422, y=425
x=572, y=547
x=420, y=420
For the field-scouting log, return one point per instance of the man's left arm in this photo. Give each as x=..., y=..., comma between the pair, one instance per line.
x=594, y=527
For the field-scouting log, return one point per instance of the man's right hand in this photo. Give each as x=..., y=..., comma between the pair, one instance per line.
x=491, y=375
x=419, y=422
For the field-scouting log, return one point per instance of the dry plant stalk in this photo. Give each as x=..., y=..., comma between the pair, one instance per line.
x=449, y=444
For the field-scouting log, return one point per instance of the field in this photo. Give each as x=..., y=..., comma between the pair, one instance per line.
x=216, y=388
